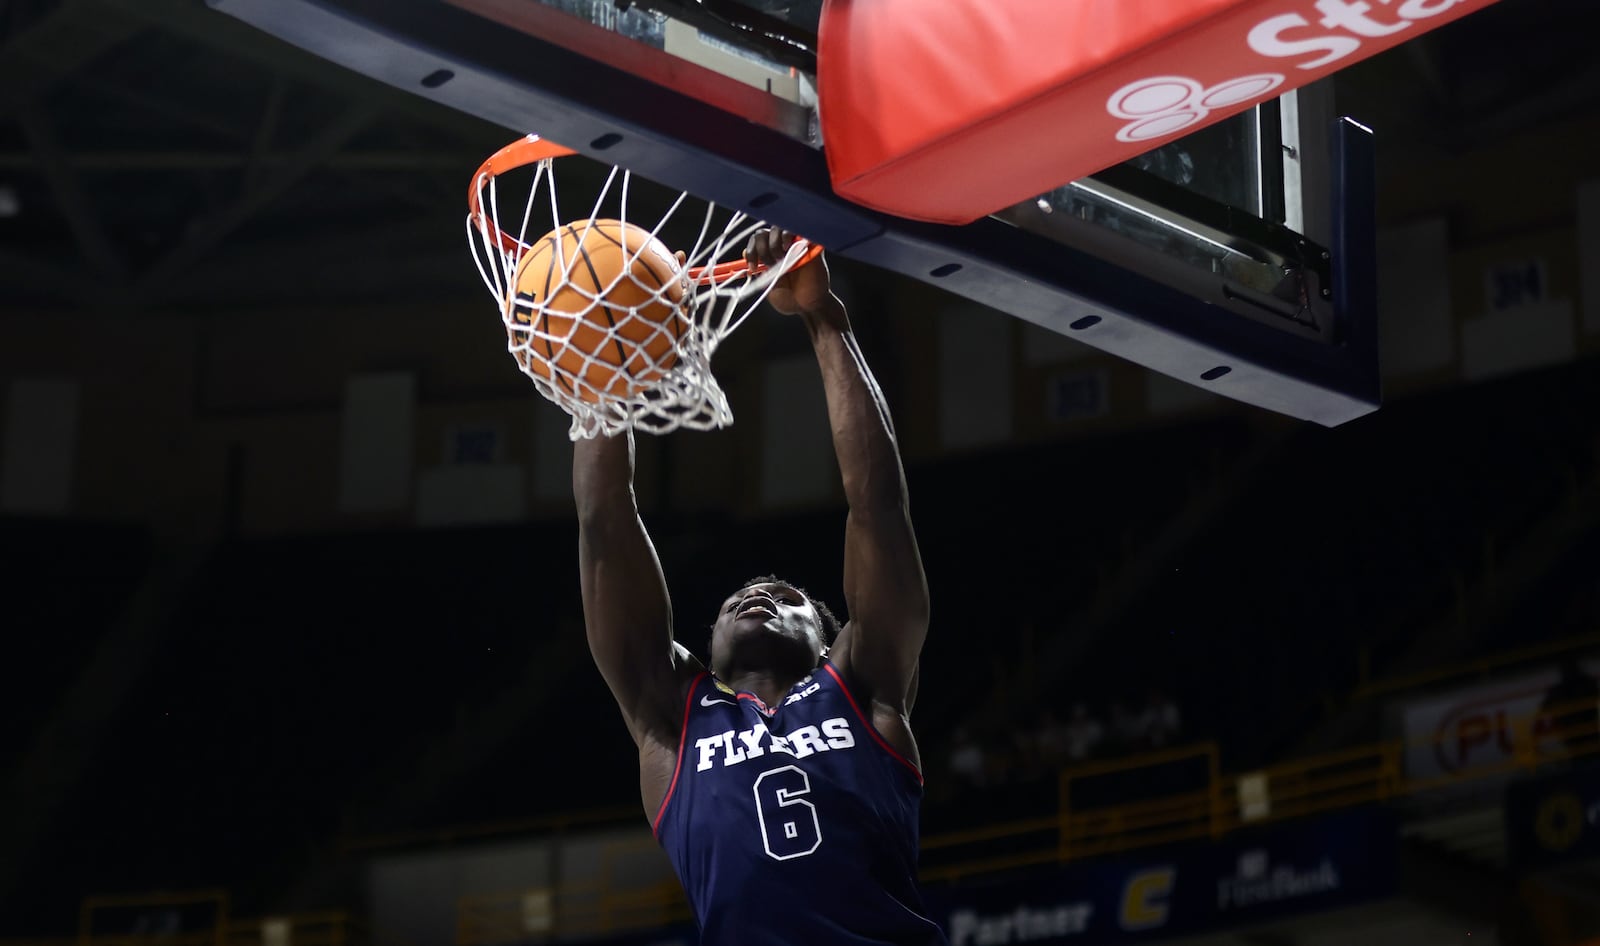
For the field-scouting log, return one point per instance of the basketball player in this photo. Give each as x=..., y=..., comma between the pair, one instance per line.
x=783, y=780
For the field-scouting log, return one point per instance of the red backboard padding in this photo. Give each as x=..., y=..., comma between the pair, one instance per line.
x=948, y=110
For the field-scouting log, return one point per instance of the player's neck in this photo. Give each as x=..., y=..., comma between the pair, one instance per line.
x=769, y=685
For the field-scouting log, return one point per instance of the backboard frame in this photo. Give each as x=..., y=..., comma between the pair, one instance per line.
x=693, y=130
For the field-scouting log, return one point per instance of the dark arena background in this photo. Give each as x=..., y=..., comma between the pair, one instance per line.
x=292, y=646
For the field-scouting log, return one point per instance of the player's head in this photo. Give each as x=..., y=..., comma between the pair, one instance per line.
x=772, y=624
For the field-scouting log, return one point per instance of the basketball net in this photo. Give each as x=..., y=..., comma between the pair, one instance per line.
x=645, y=381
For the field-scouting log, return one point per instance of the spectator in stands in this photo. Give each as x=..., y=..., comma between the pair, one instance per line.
x=1006, y=751
x=1051, y=740
x=162, y=923
x=1128, y=729
x=1084, y=734
x=1162, y=722
x=967, y=760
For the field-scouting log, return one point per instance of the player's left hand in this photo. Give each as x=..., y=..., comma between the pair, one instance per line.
x=805, y=290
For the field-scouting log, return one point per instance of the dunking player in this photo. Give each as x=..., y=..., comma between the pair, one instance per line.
x=783, y=782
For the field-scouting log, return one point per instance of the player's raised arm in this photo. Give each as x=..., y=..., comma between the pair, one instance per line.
x=626, y=611
x=884, y=585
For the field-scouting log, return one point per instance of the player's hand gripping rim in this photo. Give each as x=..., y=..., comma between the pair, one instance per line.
x=804, y=290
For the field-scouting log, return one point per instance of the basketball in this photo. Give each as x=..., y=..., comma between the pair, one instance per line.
x=597, y=309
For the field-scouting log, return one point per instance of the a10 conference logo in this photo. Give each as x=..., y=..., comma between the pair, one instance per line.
x=1159, y=106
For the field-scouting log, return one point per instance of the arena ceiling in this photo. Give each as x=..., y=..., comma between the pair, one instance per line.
x=156, y=154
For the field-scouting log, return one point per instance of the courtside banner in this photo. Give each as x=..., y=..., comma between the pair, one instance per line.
x=948, y=111
x=1298, y=867
x=1472, y=732
x=1554, y=820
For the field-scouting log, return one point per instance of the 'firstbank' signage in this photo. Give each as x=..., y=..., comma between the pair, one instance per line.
x=1296, y=868
x=1256, y=880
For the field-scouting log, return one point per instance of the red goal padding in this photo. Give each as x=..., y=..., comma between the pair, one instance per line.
x=947, y=111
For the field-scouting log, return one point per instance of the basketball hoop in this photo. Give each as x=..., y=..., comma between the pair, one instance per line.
x=624, y=349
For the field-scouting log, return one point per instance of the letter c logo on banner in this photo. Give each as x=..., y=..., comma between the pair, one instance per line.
x=1144, y=898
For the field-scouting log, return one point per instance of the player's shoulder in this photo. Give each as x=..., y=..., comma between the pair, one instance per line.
x=686, y=664
x=835, y=673
x=688, y=673
x=660, y=715
x=860, y=687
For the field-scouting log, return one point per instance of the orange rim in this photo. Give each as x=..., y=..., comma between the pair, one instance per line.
x=735, y=268
x=531, y=149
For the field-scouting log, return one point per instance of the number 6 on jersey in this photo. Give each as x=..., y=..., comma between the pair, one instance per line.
x=786, y=830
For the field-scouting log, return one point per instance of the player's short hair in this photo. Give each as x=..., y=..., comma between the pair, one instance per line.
x=830, y=624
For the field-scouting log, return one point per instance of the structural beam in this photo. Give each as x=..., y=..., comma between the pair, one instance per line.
x=197, y=22
x=393, y=261
x=60, y=44
x=213, y=229
x=72, y=199
x=125, y=160
x=266, y=129
x=163, y=106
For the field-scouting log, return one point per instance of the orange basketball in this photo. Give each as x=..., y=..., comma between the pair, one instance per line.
x=600, y=308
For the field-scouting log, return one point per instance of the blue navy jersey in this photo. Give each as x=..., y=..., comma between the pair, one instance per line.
x=794, y=825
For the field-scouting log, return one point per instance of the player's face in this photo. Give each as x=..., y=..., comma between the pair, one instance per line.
x=764, y=611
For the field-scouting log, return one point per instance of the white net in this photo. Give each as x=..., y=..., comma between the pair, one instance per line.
x=610, y=324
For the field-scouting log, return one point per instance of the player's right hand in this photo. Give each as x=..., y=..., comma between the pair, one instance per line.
x=804, y=290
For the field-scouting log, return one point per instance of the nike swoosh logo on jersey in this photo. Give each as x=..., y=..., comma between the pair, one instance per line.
x=708, y=701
